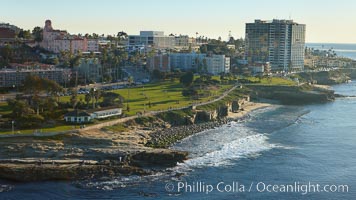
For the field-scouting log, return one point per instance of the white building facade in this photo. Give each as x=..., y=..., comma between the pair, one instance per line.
x=213, y=64
x=151, y=39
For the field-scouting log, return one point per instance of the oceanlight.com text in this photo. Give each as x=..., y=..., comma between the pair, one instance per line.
x=302, y=188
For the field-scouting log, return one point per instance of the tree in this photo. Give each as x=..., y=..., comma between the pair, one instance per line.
x=129, y=81
x=25, y=34
x=189, y=92
x=24, y=115
x=19, y=108
x=190, y=48
x=33, y=85
x=122, y=36
x=97, y=95
x=54, y=61
x=112, y=99
x=75, y=60
x=87, y=99
x=187, y=79
x=37, y=34
x=204, y=49
x=156, y=74
x=73, y=98
x=92, y=93
x=7, y=52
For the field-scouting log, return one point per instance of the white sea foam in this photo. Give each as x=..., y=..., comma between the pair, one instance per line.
x=240, y=148
x=217, y=147
x=5, y=188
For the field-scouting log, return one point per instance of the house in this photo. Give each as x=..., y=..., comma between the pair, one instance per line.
x=78, y=117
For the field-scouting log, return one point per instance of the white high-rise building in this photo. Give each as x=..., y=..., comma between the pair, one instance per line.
x=280, y=42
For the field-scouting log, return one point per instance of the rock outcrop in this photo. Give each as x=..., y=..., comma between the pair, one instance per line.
x=325, y=77
x=292, y=95
x=36, y=172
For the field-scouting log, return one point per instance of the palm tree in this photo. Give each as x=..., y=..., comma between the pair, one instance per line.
x=87, y=99
x=97, y=95
x=129, y=81
x=92, y=93
x=121, y=36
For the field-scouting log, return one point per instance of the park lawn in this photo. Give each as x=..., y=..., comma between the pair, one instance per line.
x=272, y=81
x=58, y=128
x=162, y=95
x=4, y=108
x=67, y=98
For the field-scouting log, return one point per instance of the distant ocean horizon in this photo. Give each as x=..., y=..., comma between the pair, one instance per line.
x=341, y=49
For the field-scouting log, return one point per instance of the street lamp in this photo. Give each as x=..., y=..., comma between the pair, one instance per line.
x=13, y=128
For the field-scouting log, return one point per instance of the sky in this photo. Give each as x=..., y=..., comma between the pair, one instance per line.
x=327, y=21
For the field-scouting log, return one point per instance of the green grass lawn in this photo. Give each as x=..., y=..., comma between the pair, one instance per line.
x=272, y=81
x=162, y=95
x=43, y=130
x=4, y=108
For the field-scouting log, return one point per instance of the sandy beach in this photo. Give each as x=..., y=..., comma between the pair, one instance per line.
x=247, y=108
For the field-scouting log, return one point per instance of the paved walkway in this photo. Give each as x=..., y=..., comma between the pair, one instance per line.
x=122, y=120
x=150, y=113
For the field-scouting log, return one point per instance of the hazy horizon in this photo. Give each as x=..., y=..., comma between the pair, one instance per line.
x=326, y=21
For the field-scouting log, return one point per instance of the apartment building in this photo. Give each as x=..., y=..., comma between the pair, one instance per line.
x=280, y=42
x=14, y=78
x=213, y=64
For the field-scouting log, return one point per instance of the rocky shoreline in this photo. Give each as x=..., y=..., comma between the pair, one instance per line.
x=24, y=170
x=35, y=172
x=98, y=154
x=166, y=137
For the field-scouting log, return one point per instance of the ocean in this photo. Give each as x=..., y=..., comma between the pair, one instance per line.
x=292, y=147
x=344, y=50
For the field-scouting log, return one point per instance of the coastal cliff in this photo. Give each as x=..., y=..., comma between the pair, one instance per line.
x=292, y=95
x=326, y=77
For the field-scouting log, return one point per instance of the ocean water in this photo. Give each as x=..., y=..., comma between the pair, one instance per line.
x=278, y=145
x=344, y=50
